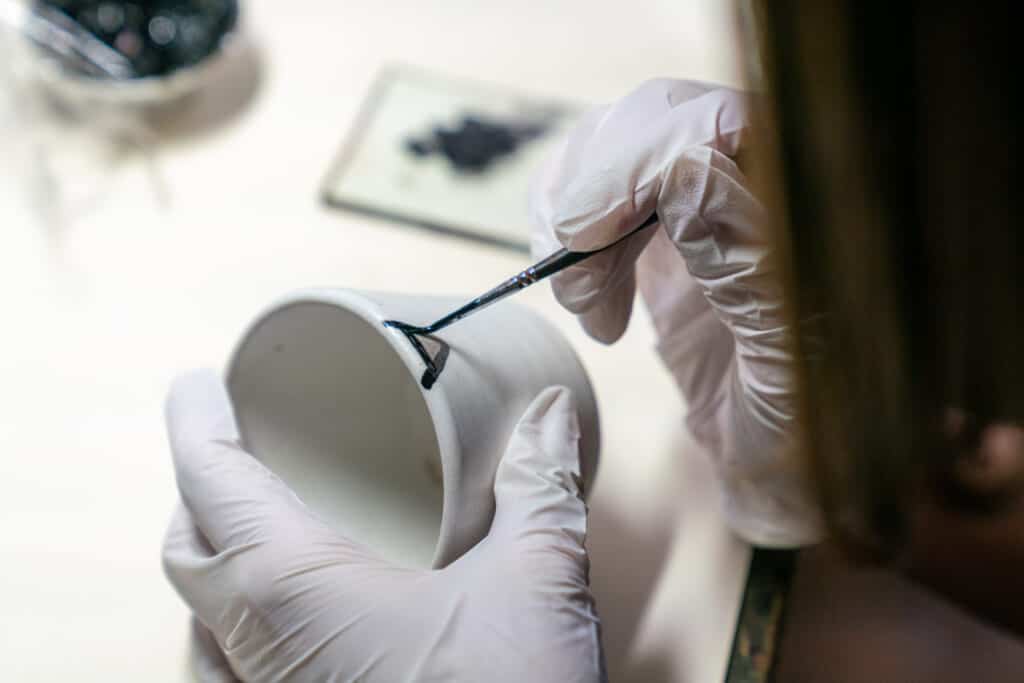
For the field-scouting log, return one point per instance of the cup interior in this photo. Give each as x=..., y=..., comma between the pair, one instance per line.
x=327, y=403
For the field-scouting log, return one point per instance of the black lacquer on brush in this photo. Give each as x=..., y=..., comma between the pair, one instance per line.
x=435, y=364
x=560, y=260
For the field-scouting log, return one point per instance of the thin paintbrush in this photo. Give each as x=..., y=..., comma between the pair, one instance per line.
x=560, y=260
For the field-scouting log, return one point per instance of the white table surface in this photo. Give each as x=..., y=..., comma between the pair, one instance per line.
x=100, y=312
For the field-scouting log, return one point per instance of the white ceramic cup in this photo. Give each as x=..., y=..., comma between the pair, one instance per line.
x=331, y=400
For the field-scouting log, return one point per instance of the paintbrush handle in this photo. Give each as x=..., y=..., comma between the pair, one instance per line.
x=546, y=267
x=563, y=258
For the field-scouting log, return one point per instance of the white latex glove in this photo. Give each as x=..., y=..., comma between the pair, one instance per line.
x=280, y=596
x=704, y=273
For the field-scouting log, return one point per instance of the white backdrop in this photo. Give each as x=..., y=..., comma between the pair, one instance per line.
x=101, y=311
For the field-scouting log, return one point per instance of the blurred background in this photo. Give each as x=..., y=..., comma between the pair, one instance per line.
x=144, y=223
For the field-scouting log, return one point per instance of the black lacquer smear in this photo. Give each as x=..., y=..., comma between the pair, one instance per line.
x=435, y=364
x=476, y=142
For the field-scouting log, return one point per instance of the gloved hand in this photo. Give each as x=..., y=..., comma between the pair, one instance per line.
x=280, y=596
x=705, y=274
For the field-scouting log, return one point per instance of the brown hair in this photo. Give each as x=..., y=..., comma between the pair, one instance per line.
x=901, y=249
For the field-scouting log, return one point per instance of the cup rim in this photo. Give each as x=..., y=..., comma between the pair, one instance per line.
x=436, y=398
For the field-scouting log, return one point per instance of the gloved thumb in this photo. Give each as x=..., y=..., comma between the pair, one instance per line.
x=233, y=498
x=537, y=488
x=536, y=541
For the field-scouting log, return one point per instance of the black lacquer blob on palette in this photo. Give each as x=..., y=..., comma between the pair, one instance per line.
x=476, y=143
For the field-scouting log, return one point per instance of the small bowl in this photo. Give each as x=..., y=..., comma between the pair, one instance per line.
x=144, y=92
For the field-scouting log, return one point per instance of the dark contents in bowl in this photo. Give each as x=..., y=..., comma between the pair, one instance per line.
x=156, y=36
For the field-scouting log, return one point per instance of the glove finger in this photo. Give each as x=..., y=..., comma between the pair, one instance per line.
x=601, y=289
x=607, y=321
x=701, y=114
x=718, y=227
x=547, y=184
x=233, y=498
x=537, y=485
x=537, y=538
x=184, y=536
x=696, y=347
x=234, y=593
x=202, y=577
x=208, y=662
x=576, y=202
x=642, y=136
